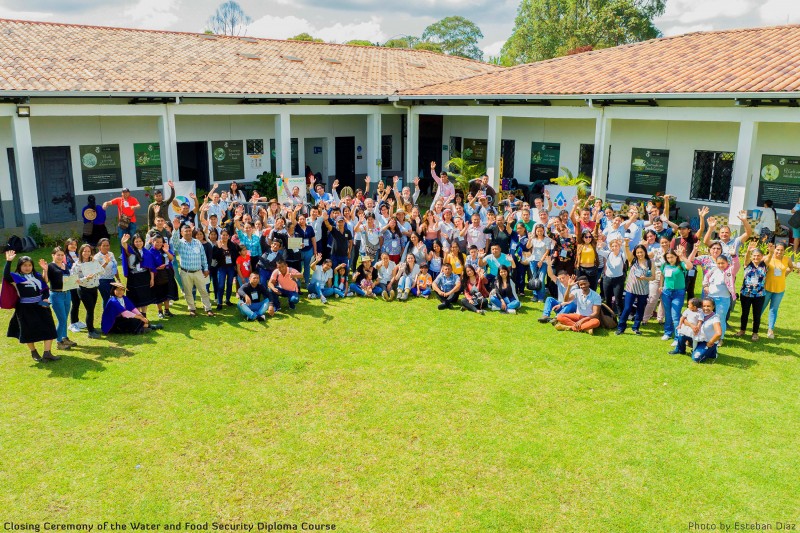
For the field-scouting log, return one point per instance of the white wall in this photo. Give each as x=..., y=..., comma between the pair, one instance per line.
x=307, y=126
x=229, y=128
x=773, y=139
x=73, y=132
x=464, y=127
x=680, y=138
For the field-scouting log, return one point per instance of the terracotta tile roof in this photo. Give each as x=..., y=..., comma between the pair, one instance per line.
x=734, y=61
x=45, y=57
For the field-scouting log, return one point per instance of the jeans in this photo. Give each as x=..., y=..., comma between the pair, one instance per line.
x=423, y=292
x=225, y=276
x=105, y=289
x=319, y=290
x=773, y=299
x=551, y=302
x=61, y=303
x=683, y=341
x=292, y=296
x=673, y=303
x=721, y=306
x=641, y=302
x=130, y=230
x=702, y=352
x=213, y=274
x=406, y=283
x=541, y=274
x=510, y=304
x=254, y=310
x=356, y=289
x=305, y=258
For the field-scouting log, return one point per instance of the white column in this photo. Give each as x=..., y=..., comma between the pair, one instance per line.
x=283, y=143
x=743, y=189
x=301, y=155
x=374, y=125
x=168, y=143
x=412, y=146
x=28, y=195
x=330, y=157
x=493, y=150
x=602, y=146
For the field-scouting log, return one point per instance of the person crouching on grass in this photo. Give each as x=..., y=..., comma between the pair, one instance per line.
x=253, y=299
x=447, y=287
x=587, y=315
x=283, y=282
x=120, y=314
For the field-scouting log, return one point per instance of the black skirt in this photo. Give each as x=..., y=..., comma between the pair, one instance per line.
x=164, y=286
x=99, y=231
x=127, y=325
x=32, y=323
x=139, y=290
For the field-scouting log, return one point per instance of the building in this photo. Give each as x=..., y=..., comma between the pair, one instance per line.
x=711, y=118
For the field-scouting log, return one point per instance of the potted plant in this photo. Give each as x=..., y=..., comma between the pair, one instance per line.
x=582, y=182
x=462, y=171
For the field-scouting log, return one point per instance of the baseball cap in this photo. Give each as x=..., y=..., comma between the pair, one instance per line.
x=684, y=225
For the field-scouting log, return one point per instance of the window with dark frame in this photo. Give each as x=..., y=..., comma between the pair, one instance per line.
x=386, y=152
x=586, y=159
x=711, y=176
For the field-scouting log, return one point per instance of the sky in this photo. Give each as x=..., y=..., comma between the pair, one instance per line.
x=376, y=21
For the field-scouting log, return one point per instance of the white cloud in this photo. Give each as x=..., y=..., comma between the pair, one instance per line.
x=493, y=49
x=152, y=14
x=780, y=12
x=6, y=13
x=680, y=30
x=284, y=27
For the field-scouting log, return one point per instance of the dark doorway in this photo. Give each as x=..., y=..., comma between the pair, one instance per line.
x=55, y=185
x=586, y=159
x=193, y=163
x=507, y=154
x=430, y=143
x=346, y=161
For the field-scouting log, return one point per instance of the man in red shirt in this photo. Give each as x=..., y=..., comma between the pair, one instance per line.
x=283, y=282
x=126, y=208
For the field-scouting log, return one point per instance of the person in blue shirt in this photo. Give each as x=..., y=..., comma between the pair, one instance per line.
x=447, y=287
x=494, y=261
x=94, y=221
x=319, y=194
x=587, y=313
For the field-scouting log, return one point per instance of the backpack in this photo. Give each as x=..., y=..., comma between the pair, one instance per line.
x=28, y=244
x=607, y=318
x=14, y=243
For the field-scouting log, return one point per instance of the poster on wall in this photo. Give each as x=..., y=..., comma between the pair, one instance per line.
x=545, y=158
x=255, y=152
x=474, y=150
x=286, y=185
x=183, y=190
x=561, y=197
x=147, y=160
x=100, y=167
x=779, y=180
x=648, y=171
x=228, y=160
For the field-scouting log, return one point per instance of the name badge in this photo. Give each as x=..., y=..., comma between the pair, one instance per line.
x=778, y=272
x=125, y=204
x=228, y=260
x=254, y=297
x=564, y=253
x=305, y=243
x=668, y=272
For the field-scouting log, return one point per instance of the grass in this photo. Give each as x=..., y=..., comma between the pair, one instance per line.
x=386, y=417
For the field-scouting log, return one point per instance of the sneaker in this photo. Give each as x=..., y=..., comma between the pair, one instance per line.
x=754, y=337
x=168, y=314
x=219, y=307
x=63, y=345
x=350, y=295
x=512, y=311
x=70, y=342
x=674, y=352
x=481, y=312
x=160, y=314
x=442, y=307
x=543, y=319
x=75, y=328
x=770, y=334
x=81, y=325
x=674, y=343
x=590, y=331
x=94, y=335
x=535, y=300
x=323, y=299
x=385, y=295
x=312, y=296
x=393, y=295
x=562, y=327
x=406, y=294
x=665, y=337
x=637, y=332
x=618, y=332
x=262, y=318
x=493, y=308
x=425, y=296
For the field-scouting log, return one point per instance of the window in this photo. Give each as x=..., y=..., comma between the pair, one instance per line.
x=294, y=149
x=386, y=152
x=586, y=160
x=711, y=176
x=507, y=153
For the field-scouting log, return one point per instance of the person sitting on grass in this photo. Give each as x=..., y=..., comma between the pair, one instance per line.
x=447, y=287
x=283, y=283
x=587, y=315
x=688, y=327
x=710, y=334
x=559, y=305
x=253, y=299
x=339, y=285
x=405, y=276
x=476, y=295
x=364, y=279
x=422, y=285
x=386, y=271
x=504, y=295
x=121, y=315
x=321, y=279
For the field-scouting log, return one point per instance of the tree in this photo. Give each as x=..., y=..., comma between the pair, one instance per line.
x=360, y=42
x=304, y=37
x=402, y=42
x=457, y=36
x=545, y=29
x=426, y=45
x=230, y=19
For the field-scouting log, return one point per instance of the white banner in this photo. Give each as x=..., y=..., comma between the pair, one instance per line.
x=286, y=185
x=562, y=197
x=182, y=191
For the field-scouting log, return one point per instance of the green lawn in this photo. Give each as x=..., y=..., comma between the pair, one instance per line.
x=398, y=417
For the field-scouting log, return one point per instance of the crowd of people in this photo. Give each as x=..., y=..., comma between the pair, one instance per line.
x=589, y=267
